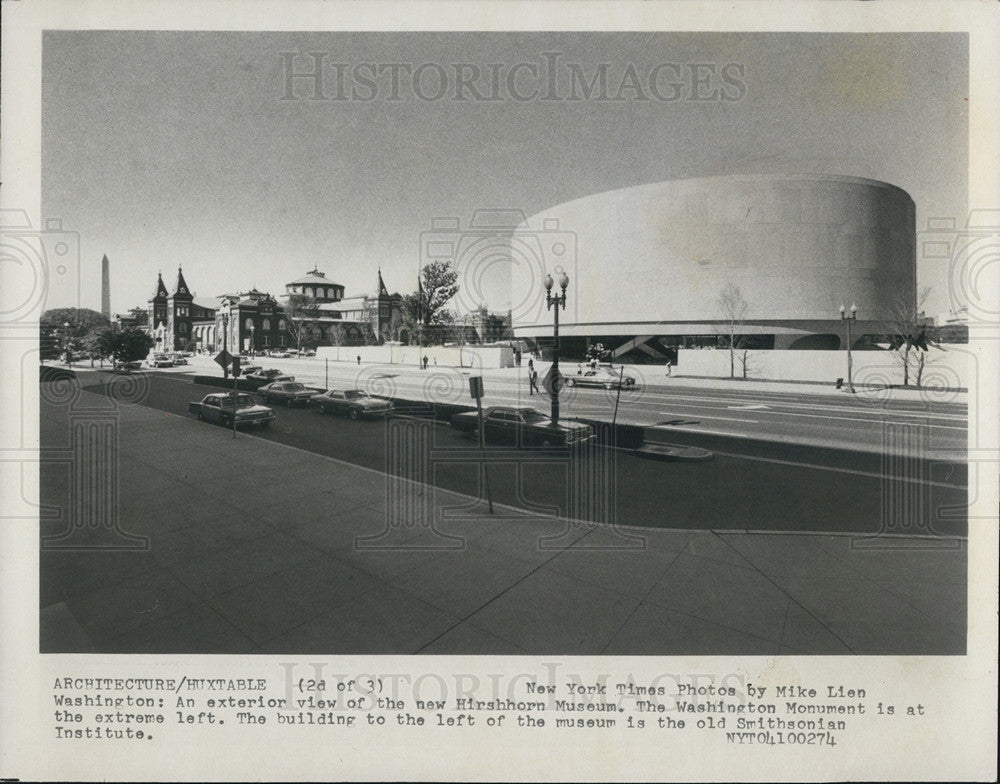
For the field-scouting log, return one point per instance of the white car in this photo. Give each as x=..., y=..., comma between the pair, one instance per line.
x=601, y=377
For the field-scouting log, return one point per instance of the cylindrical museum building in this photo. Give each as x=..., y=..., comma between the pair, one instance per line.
x=680, y=263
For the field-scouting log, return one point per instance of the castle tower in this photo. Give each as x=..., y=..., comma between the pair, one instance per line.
x=157, y=309
x=105, y=287
x=179, y=331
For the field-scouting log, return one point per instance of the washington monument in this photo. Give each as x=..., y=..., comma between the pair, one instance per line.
x=105, y=288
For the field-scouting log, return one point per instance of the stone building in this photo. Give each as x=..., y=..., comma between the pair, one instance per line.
x=256, y=321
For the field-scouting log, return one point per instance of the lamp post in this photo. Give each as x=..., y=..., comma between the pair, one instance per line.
x=253, y=343
x=849, y=316
x=69, y=356
x=557, y=300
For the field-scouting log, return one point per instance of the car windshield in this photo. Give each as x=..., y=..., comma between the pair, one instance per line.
x=294, y=387
x=530, y=415
x=353, y=394
x=242, y=401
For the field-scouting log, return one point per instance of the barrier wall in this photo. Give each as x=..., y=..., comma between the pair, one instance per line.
x=473, y=357
x=950, y=368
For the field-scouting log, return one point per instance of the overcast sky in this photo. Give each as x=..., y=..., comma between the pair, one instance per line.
x=176, y=148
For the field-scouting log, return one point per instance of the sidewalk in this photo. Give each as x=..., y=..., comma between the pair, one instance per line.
x=648, y=376
x=253, y=547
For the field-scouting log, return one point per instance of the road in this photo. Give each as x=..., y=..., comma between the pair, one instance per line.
x=866, y=421
x=754, y=482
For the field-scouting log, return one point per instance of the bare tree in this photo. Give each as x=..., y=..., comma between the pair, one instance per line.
x=337, y=335
x=368, y=321
x=734, y=310
x=910, y=335
x=300, y=313
x=394, y=328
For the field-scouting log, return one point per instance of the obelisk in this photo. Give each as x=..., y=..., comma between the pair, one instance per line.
x=105, y=288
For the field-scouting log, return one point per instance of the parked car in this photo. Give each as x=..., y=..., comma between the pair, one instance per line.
x=268, y=376
x=601, y=377
x=352, y=402
x=218, y=407
x=247, y=369
x=160, y=361
x=280, y=353
x=306, y=352
x=127, y=366
x=523, y=426
x=287, y=392
x=180, y=359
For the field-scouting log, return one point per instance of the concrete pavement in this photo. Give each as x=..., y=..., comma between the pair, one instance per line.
x=254, y=546
x=654, y=376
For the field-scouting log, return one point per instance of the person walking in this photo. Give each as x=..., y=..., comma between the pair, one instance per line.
x=532, y=378
x=425, y=362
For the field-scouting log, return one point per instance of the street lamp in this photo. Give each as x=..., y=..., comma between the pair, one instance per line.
x=849, y=316
x=69, y=356
x=253, y=343
x=558, y=300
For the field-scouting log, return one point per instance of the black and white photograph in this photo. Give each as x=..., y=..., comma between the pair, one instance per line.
x=475, y=342
x=721, y=402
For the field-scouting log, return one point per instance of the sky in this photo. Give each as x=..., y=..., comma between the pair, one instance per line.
x=177, y=148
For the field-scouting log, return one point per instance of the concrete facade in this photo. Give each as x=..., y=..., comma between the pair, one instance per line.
x=652, y=260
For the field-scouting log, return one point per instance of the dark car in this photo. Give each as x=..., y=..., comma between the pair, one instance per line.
x=352, y=402
x=269, y=376
x=219, y=407
x=523, y=426
x=288, y=392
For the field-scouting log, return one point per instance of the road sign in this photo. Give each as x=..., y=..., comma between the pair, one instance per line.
x=224, y=358
x=476, y=387
x=236, y=367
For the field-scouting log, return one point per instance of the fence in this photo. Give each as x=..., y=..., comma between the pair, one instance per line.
x=477, y=357
x=950, y=368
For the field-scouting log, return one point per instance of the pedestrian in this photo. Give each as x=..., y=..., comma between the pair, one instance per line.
x=359, y=359
x=532, y=378
x=425, y=362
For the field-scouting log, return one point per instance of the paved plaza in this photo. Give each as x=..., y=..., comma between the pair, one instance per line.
x=244, y=545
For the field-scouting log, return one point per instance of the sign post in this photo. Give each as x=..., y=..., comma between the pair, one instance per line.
x=476, y=390
x=224, y=359
x=236, y=375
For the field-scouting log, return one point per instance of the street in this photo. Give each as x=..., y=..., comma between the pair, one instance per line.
x=754, y=482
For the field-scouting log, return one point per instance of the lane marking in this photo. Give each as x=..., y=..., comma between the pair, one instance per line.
x=835, y=469
x=751, y=407
x=705, y=416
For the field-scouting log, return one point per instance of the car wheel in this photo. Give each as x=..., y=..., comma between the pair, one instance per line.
x=288, y=402
x=201, y=417
x=227, y=421
x=355, y=413
x=321, y=408
x=570, y=382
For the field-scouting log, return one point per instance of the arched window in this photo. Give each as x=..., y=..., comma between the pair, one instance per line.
x=182, y=327
x=266, y=326
x=248, y=323
x=281, y=325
